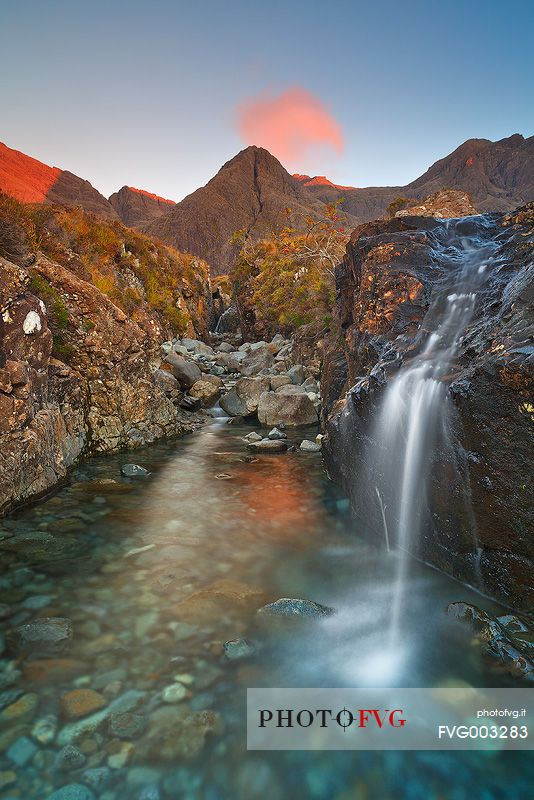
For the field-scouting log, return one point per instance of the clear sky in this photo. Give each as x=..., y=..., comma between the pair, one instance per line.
x=159, y=94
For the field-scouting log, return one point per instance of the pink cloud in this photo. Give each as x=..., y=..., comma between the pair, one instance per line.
x=289, y=125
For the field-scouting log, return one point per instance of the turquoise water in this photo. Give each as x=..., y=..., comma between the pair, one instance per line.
x=157, y=573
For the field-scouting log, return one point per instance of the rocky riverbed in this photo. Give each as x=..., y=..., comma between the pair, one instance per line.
x=136, y=611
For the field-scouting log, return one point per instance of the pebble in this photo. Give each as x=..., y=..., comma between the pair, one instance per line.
x=45, y=729
x=174, y=693
x=69, y=758
x=21, y=751
x=96, y=778
x=81, y=702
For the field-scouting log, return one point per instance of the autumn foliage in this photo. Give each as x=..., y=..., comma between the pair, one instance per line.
x=287, y=280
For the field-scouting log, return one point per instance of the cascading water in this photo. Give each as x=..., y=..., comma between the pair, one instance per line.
x=413, y=421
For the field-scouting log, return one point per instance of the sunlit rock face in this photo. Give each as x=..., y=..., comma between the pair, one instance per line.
x=101, y=397
x=479, y=493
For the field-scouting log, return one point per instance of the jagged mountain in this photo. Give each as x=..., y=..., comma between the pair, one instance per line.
x=251, y=192
x=137, y=207
x=29, y=180
x=498, y=175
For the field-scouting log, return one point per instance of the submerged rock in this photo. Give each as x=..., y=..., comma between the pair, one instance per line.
x=268, y=446
x=73, y=791
x=134, y=471
x=48, y=635
x=238, y=649
x=295, y=607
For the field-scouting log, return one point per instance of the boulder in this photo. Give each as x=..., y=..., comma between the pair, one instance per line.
x=297, y=374
x=205, y=391
x=310, y=447
x=291, y=388
x=257, y=359
x=293, y=410
x=165, y=381
x=185, y=372
x=233, y=404
x=225, y=347
x=191, y=344
x=249, y=390
x=279, y=380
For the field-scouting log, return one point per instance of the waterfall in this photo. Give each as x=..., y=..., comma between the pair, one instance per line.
x=413, y=421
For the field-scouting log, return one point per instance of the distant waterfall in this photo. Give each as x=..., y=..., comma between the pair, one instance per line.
x=413, y=419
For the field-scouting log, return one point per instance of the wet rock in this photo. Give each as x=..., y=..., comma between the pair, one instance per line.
x=295, y=607
x=121, y=756
x=249, y=390
x=292, y=410
x=69, y=758
x=21, y=751
x=81, y=702
x=276, y=433
x=37, y=602
x=8, y=697
x=310, y=447
x=189, y=403
x=268, y=446
x=7, y=778
x=205, y=391
x=233, y=404
x=186, y=372
x=134, y=471
x=42, y=547
x=73, y=791
x=48, y=635
x=150, y=793
x=237, y=649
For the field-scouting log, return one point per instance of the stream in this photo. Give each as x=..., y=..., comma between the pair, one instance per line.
x=156, y=573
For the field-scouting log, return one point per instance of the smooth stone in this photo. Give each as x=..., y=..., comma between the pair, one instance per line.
x=310, y=447
x=96, y=778
x=253, y=437
x=269, y=445
x=45, y=636
x=81, y=702
x=295, y=607
x=127, y=726
x=37, y=602
x=134, y=471
x=174, y=693
x=69, y=758
x=74, y=730
x=45, y=729
x=21, y=751
x=20, y=710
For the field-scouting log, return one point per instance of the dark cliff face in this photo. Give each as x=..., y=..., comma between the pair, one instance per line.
x=481, y=496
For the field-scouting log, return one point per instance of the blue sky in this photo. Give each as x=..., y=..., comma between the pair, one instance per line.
x=146, y=94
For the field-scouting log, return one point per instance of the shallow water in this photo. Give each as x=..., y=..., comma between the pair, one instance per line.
x=223, y=532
